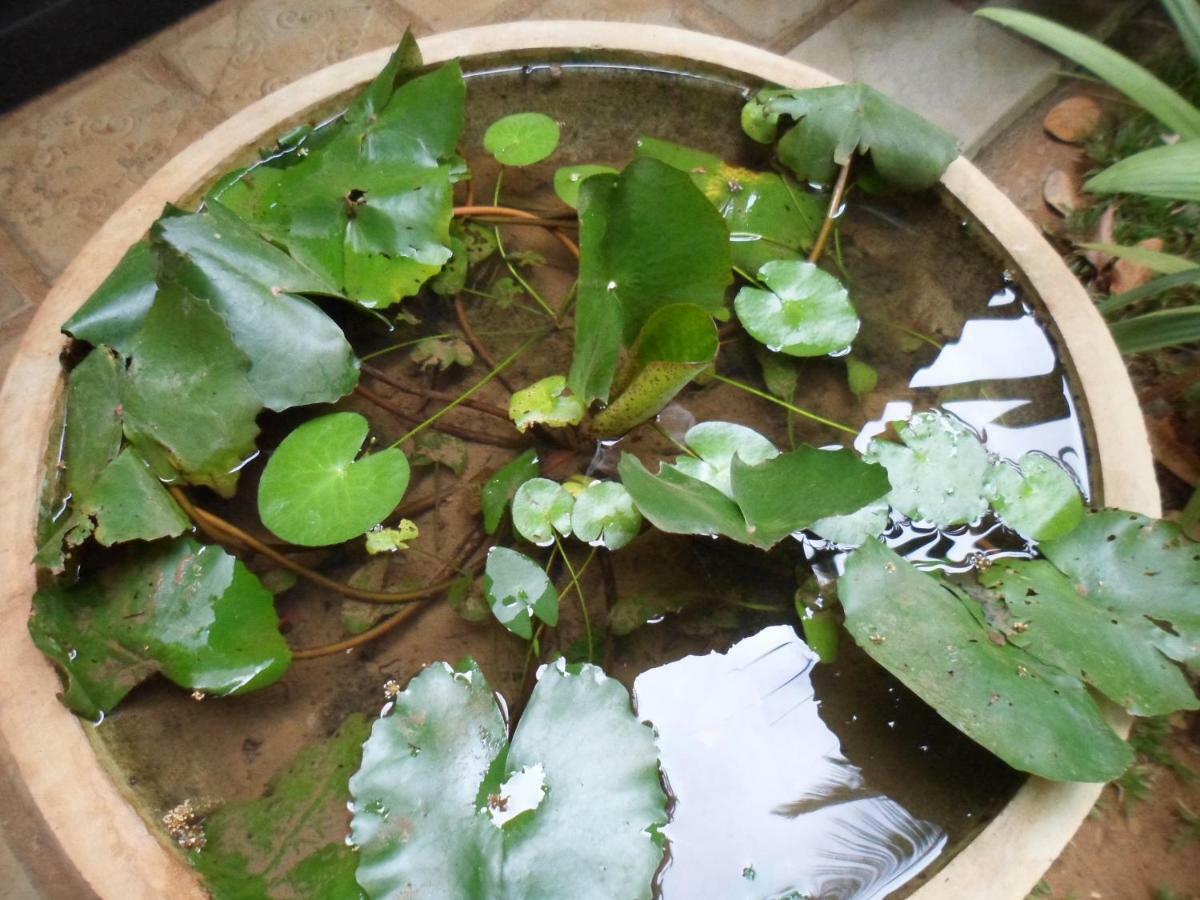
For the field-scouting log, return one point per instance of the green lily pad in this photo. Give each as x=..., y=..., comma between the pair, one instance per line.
x=118, y=308
x=648, y=238
x=128, y=503
x=314, y=492
x=715, y=444
x=541, y=507
x=521, y=139
x=856, y=528
x=806, y=312
x=191, y=612
x=1112, y=650
x=568, y=179
x=834, y=123
x=298, y=355
x=677, y=503
x=1135, y=566
x=518, y=589
x=677, y=343
x=789, y=492
x=389, y=540
x=1039, y=500
x=93, y=434
x=940, y=473
x=545, y=402
x=187, y=396
x=279, y=845
x=445, y=806
x=768, y=216
x=924, y=631
x=605, y=516
x=502, y=487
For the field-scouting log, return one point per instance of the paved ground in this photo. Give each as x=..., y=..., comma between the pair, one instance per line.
x=68, y=159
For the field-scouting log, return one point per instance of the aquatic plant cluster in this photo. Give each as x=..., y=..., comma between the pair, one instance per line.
x=213, y=319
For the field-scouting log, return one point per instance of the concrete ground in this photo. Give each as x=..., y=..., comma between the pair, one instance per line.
x=69, y=158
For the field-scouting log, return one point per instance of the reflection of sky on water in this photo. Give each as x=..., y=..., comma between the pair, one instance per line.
x=766, y=805
x=991, y=349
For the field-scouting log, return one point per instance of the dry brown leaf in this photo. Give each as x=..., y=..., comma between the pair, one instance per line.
x=1073, y=120
x=1105, y=234
x=1060, y=190
x=1175, y=454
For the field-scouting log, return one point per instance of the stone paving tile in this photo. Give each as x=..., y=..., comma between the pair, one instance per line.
x=965, y=74
x=69, y=159
x=234, y=54
x=21, y=284
x=778, y=24
x=694, y=15
x=445, y=15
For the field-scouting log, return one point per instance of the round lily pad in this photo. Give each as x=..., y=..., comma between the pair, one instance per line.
x=605, y=516
x=1040, y=500
x=540, y=508
x=314, y=492
x=521, y=139
x=805, y=312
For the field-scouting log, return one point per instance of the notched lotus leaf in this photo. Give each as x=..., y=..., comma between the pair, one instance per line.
x=540, y=508
x=128, y=503
x=605, y=515
x=805, y=312
x=546, y=402
x=1038, y=498
x=521, y=139
x=518, y=591
x=314, y=490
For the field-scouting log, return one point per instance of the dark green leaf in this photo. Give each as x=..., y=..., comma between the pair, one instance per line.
x=806, y=312
x=791, y=491
x=1132, y=565
x=278, y=845
x=834, y=123
x=187, y=396
x=502, y=487
x=116, y=311
x=568, y=180
x=1153, y=331
x=93, y=435
x=191, y=612
x=540, y=508
x=680, y=504
x=521, y=139
x=1035, y=717
x=545, y=402
x=1113, y=651
x=1039, y=500
x=604, y=515
x=405, y=60
x=314, y=491
x=715, y=444
x=518, y=590
x=298, y=355
x=1186, y=16
x=128, y=503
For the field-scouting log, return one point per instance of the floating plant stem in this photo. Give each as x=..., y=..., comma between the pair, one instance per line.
x=481, y=350
x=508, y=212
x=575, y=583
x=763, y=395
x=392, y=348
x=835, y=203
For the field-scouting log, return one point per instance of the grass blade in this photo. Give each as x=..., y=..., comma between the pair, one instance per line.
x=1154, y=260
x=1172, y=172
x=1153, y=331
x=1125, y=75
x=1186, y=15
x=1149, y=289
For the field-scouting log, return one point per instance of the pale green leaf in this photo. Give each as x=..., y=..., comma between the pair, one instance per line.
x=604, y=515
x=1172, y=172
x=545, y=402
x=540, y=508
x=518, y=590
x=1037, y=498
x=805, y=312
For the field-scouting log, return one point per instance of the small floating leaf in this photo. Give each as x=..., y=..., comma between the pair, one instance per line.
x=853, y=529
x=806, y=312
x=545, y=402
x=518, y=590
x=314, y=492
x=940, y=472
x=1039, y=500
x=680, y=504
x=521, y=139
x=434, y=448
x=540, y=508
x=715, y=444
x=605, y=515
x=861, y=377
x=924, y=631
x=438, y=810
x=191, y=612
x=502, y=487
x=389, y=540
x=440, y=354
x=568, y=179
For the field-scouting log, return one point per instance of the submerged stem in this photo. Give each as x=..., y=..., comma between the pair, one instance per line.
x=575, y=583
x=763, y=395
x=835, y=202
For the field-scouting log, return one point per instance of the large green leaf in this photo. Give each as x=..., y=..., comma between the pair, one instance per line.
x=714, y=445
x=834, y=123
x=117, y=309
x=277, y=845
x=315, y=492
x=1035, y=717
x=804, y=311
x=445, y=807
x=93, y=433
x=569, y=179
x=680, y=504
x=1109, y=649
x=298, y=355
x=1039, y=500
x=648, y=238
x=1165, y=328
x=768, y=217
x=1125, y=75
x=191, y=612
x=502, y=487
x=1172, y=171
x=187, y=393
x=782, y=495
x=939, y=474
x=128, y=503
x=1132, y=565
x=518, y=590
x=676, y=344
x=367, y=200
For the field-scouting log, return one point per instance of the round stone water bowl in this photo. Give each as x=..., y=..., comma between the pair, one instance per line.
x=80, y=825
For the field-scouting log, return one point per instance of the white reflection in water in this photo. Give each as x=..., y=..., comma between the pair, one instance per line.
x=991, y=349
x=765, y=804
